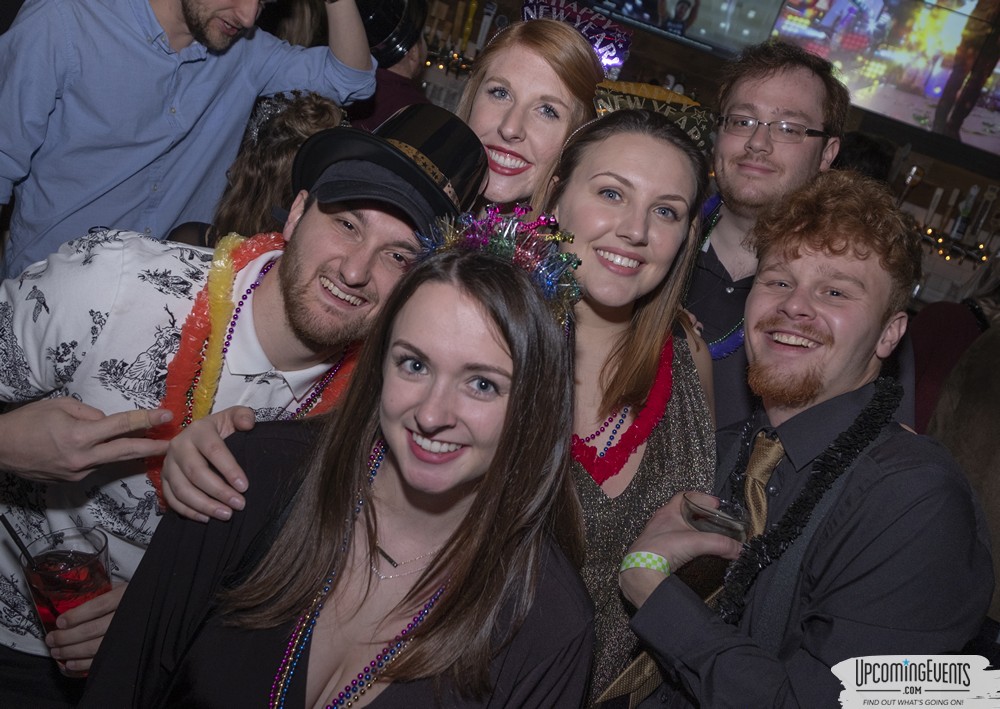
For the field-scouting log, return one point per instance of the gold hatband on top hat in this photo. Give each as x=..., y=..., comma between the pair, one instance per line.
x=428, y=166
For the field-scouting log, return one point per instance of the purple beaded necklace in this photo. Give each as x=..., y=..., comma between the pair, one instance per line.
x=614, y=431
x=317, y=391
x=243, y=299
x=302, y=633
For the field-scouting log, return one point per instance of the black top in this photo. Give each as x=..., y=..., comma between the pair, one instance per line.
x=717, y=301
x=166, y=646
x=8, y=11
x=900, y=565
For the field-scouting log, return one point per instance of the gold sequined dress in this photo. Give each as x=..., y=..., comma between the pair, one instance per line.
x=679, y=455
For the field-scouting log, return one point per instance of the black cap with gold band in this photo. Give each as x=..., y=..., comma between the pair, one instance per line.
x=423, y=160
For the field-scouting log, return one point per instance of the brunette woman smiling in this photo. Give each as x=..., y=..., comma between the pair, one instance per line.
x=421, y=558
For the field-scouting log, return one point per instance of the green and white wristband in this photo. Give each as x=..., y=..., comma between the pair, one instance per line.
x=645, y=560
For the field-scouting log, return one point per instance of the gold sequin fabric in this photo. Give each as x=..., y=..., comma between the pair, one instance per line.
x=679, y=455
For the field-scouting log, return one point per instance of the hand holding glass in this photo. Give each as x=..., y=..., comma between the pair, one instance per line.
x=70, y=567
x=729, y=518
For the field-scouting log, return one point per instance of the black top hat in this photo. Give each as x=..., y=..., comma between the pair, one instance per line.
x=392, y=26
x=423, y=159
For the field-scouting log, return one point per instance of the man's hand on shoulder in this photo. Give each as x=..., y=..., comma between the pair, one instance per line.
x=55, y=440
x=201, y=478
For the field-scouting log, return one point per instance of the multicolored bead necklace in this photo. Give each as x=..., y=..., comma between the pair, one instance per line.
x=370, y=673
x=243, y=300
x=614, y=431
x=302, y=633
x=306, y=406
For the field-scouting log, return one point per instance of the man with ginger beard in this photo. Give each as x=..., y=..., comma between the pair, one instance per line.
x=865, y=538
x=781, y=114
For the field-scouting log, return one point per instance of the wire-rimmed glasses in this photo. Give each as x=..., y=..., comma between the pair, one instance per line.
x=779, y=131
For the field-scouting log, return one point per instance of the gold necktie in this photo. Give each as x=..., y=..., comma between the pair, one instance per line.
x=763, y=459
x=642, y=676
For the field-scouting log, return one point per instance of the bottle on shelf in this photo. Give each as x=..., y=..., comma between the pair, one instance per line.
x=949, y=210
x=932, y=208
x=964, y=213
x=978, y=220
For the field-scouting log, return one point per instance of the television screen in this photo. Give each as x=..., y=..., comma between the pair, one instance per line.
x=720, y=26
x=923, y=63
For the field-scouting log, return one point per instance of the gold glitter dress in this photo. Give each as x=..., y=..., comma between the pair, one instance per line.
x=679, y=455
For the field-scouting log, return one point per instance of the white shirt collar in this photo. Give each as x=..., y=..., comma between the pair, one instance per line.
x=245, y=356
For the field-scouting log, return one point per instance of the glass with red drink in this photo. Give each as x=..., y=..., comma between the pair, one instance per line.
x=70, y=567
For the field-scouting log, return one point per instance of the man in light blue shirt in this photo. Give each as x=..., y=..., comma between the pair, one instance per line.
x=127, y=113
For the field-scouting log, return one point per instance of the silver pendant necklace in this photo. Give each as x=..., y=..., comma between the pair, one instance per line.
x=396, y=564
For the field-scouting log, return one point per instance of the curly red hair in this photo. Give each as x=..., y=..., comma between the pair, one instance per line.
x=842, y=212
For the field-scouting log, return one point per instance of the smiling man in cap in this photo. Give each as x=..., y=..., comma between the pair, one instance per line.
x=117, y=333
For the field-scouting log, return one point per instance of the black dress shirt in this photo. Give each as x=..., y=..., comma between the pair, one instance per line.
x=717, y=301
x=900, y=565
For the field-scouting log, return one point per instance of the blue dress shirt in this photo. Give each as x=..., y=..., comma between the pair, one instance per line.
x=105, y=125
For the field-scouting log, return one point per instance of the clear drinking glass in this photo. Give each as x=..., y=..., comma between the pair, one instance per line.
x=71, y=567
x=727, y=518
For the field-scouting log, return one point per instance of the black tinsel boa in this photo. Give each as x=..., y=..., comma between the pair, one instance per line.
x=759, y=552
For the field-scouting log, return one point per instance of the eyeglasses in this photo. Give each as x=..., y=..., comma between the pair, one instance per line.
x=779, y=131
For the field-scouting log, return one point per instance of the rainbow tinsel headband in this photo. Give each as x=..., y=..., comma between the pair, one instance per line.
x=532, y=246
